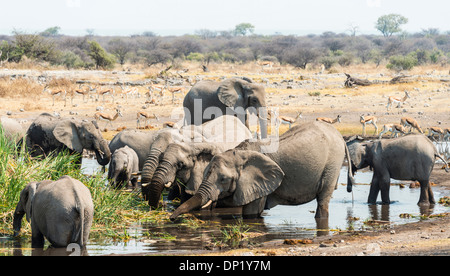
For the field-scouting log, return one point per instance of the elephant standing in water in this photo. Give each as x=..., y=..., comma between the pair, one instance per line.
x=208, y=100
x=123, y=168
x=305, y=167
x=61, y=211
x=49, y=133
x=410, y=157
x=227, y=130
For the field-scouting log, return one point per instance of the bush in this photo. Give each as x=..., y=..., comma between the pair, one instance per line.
x=100, y=56
x=399, y=62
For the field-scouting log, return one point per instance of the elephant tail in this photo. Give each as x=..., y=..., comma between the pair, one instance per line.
x=443, y=160
x=350, y=179
x=78, y=226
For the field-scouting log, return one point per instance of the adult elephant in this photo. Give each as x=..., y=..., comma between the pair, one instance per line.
x=139, y=141
x=49, y=133
x=410, y=157
x=305, y=167
x=12, y=129
x=227, y=130
x=209, y=99
x=62, y=211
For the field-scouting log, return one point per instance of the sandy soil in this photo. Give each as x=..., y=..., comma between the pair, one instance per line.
x=291, y=91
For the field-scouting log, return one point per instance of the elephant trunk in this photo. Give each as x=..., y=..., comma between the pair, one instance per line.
x=206, y=194
x=263, y=127
x=148, y=170
x=103, y=154
x=194, y=202
x=17, y=221
x=163, y=174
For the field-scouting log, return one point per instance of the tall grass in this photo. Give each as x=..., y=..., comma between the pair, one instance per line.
x=18, y=168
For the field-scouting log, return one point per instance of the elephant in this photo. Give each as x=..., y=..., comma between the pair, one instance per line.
x=61, y=211
x=232, y=97
x=48, y=133
x=139, y=141
x=227, y=130
x=410, y=157
x=12, y=129
x=184, y=162
x=123, y=167
x=305, y=167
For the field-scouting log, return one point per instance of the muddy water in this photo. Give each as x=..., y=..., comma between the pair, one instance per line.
x=346, y=210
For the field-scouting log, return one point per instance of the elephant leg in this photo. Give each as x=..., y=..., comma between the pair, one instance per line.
x=385, y=185
x=426, y=194
x=328, y=185
x=254, y=208
x=374, y=190
x=37, y=238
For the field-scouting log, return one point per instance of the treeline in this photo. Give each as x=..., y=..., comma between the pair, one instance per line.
x=400, y=52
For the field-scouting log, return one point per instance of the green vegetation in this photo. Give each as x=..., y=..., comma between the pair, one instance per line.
x=114, y=209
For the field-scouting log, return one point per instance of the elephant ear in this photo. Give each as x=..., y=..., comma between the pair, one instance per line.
x=27, y=198
x=259, y=177
x=66, y=132
x=230, y=93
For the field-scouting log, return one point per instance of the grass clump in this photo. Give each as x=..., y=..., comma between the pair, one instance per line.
x=113, y=209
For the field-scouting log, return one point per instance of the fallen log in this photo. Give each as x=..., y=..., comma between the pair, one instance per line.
x=350, y=82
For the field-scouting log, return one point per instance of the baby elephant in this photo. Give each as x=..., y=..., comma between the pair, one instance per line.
x=60, y=211
x=124, y=163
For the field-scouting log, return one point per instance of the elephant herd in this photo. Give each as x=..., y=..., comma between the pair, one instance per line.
x=214, y=161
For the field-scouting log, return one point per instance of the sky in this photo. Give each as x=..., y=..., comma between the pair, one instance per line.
x=178, y=17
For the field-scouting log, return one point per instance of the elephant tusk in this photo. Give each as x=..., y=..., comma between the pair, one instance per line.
x=145, y=184
x=168, y=184
x=207, y=204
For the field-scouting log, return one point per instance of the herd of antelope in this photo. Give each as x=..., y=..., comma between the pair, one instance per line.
x=156, y=91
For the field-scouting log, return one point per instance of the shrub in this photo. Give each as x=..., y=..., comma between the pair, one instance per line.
x=399, y=62
x=100, y=56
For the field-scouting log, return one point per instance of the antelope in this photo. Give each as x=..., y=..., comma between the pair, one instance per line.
x=329, y=120
x=133, y=91
x=395, y=129
x=146, y=116
x=265, y=63
x=170, y=125
x=83, y=92
x=175, y=90
x=432, y=131
x=56, y=92
x=157, y=87
x=446, y=134
x=106, y=91
x=397, y=100
x=368, y=120
x=411, y=123
x=107, y=118
x=289, y=120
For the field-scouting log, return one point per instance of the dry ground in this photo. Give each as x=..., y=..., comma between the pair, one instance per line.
x=290, y=90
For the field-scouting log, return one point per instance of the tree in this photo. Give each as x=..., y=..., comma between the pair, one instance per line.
x=120, y=49
x=52, y=31
x=243, y=29
x=100, y=56
x=390, y=24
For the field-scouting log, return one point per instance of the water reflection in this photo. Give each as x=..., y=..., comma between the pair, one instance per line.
x=346, y=211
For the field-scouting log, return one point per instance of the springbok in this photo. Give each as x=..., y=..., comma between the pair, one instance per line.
x=432, y=131
x=56, y=92
x=108, y=91
x=100, y=116
x=80, y=91
x=395, y=129
x=175, y=90
x=141, y=115
x=411, y=123
x=289, y=120
x=397, y=100
x=365, y=120
x=329, y=120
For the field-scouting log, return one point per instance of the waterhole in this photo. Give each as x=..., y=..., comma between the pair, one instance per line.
x=347, y=211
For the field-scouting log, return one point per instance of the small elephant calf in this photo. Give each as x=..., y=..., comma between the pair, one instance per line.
x=123, y=167
x=61, y=211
